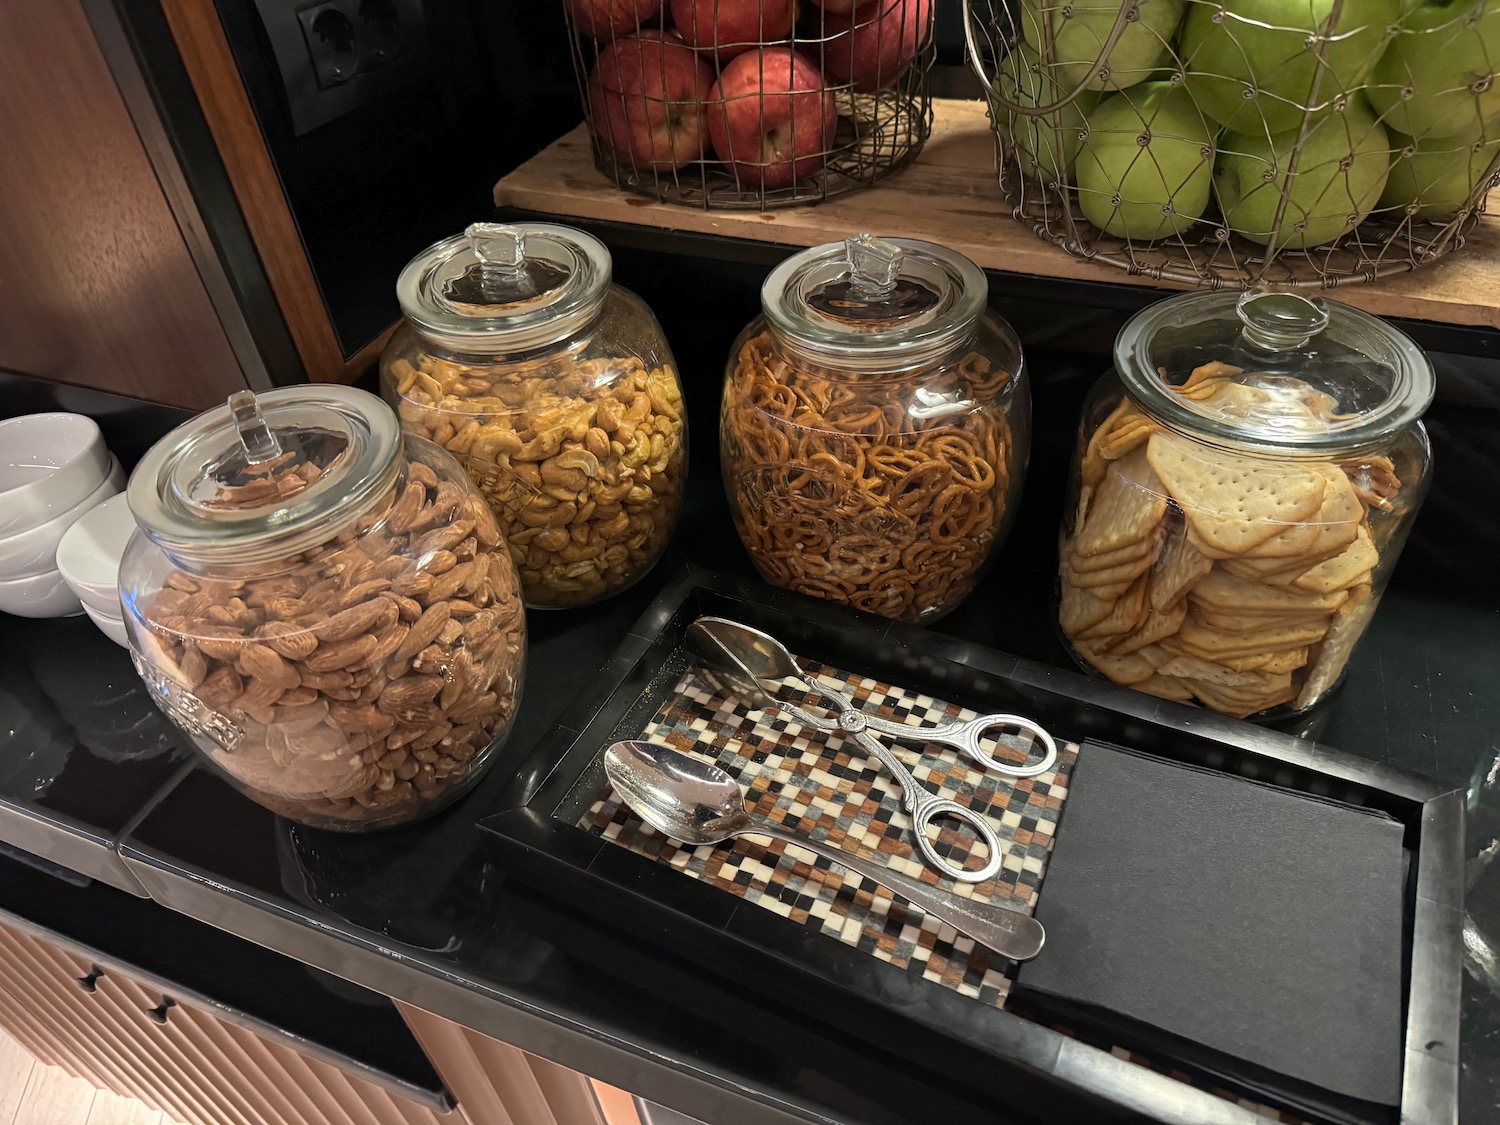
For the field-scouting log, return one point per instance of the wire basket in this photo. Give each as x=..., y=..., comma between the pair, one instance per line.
x=1196, y=141
x=751, y=104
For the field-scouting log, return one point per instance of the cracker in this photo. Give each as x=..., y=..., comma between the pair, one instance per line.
x=1165, y=687
x=1233, y=624
x=1232, y=502
x=1127, y=670
x=1238, y=706
x=1229, y=594
x=1286, y=660
x=1123, y=617
x=1178, y=568
x=1350, y=567
x=1126, y=436
x=1333, y=654
x=1131, y=552
x=1080, y=610
x=1209, y=375
x=1129, y=504
x=1092, y=464
x=1156, y=626
x=1207, y=642
x=1193, y=668
x=1333, y=528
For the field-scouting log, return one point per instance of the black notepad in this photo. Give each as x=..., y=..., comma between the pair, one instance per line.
x=1261, y=927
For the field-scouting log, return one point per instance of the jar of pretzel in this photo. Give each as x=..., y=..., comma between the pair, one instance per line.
x=325, y=608
x=556, y=391
x=875, y=427
x=1244, y=480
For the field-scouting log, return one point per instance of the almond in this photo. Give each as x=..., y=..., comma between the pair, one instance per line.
x=359, y=718
x=442, y=538
x=343, y=654
x=292, y=641
x=326, y=681
x=221, y=687
x=413, y=496
x=413, y=585
x=222, y=642
x=366, y=589
x=192, y=666
x=409, y=691
x=450, y=583
x=424, y=631
x=475, y=708
x=390, y=641
x=410, y=609
x=261, y=663
x=353, y=621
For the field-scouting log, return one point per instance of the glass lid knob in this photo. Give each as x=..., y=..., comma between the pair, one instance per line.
x=1279, y=321
x=874, y=264
x=259, y=443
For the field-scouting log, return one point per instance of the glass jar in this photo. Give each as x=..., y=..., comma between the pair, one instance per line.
x=875, y=427
x=1243, y=483
x=326, y=609
x=556, y=390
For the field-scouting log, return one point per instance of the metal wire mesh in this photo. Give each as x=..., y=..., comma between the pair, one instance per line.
x=1199, y=141
x=745, y=104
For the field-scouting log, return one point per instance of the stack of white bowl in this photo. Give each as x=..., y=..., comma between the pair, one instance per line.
x=54, y=468
x=89, y=559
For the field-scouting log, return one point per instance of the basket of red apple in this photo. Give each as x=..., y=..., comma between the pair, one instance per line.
x=1231, y=142
x=753, y=103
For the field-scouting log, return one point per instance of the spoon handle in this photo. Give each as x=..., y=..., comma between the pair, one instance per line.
x=1008, y=932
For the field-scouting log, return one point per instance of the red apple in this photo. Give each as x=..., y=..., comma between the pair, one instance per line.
x=647, y=100
x=870, y=50
x=842, y=6
x=605, y=19
x=771, y=117
x=729, y=28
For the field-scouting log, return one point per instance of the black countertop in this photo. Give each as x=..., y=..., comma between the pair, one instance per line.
x=427, y=914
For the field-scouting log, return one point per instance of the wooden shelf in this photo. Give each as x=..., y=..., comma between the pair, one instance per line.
x=950, y=196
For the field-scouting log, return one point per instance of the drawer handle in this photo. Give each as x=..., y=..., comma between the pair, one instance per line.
x=90, y=982
x=159, y=1013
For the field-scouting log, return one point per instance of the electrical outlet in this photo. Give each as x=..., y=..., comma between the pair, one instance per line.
x=333, y=43
x=340, y=55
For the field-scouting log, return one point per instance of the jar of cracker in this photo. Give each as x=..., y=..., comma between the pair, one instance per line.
x=556, y=390
x=1245, y=478
x=325, y=608
x=875, y=427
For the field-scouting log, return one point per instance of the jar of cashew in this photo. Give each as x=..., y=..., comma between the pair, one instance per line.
x=325, y=607
x=556, y=391
x=875, y=427
x=1244, y=481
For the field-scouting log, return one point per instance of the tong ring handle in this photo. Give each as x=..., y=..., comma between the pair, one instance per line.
x=968, y=738
x=924, y=811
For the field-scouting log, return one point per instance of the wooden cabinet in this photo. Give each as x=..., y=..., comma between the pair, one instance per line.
x=199, y=1064
x=97, y=283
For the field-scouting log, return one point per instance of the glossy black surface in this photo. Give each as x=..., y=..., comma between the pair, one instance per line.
x=427, y=913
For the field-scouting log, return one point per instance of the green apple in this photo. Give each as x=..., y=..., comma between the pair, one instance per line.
x=1145, y=170
x=1044, y=145
x=1253, y=64
x=1341, y=170
x=1436, y=175
x=1437, y=78
x=1080, y=29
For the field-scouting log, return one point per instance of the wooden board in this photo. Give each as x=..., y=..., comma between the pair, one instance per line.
x=950, y=195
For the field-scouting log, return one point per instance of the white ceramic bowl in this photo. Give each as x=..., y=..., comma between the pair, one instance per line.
x=111, y=627
x=41, y=595
x=48, y=463
x=34, y=551
x=88, y=555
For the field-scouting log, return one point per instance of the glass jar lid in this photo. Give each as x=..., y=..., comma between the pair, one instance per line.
x=874, y=304
x=1273, y=369
x=268, y=476
x=505, y=288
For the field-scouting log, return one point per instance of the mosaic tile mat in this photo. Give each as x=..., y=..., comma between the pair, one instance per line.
x=824, y=785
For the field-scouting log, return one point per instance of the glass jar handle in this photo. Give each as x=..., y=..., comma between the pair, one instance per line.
x=1276, y=320
x=874, y=264
x=259, y=442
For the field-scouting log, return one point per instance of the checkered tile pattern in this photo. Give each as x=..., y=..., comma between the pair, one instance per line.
x=823, y=785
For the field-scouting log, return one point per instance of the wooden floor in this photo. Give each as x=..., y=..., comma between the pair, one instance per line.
x=33, y=1094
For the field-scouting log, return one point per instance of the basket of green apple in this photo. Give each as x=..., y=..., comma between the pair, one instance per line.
x=753, y=103
x=1228, y=142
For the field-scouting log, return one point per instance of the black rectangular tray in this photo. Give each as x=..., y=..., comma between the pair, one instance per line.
x=1019, y=1062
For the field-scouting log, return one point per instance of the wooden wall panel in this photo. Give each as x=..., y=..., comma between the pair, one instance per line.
x=96, y=284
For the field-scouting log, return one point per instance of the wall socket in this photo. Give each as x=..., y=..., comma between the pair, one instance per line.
x=336, y=56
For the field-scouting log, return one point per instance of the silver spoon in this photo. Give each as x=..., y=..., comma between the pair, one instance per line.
x=697, y=803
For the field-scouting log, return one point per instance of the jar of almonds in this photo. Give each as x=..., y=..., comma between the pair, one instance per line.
x=1244, y=481
x=875, y=427
x=325, y=608
x=556, y=390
